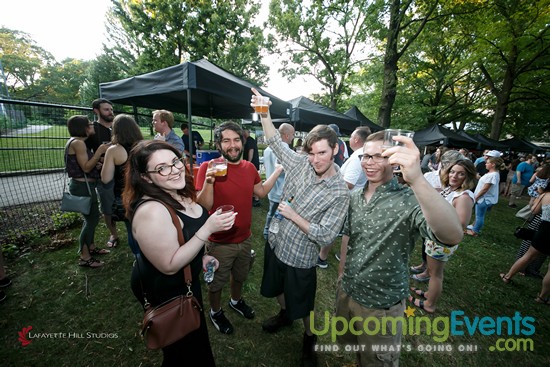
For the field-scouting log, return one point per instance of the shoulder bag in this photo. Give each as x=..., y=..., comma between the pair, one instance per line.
x=174, y=319
x=73, y=203
x=522, y=232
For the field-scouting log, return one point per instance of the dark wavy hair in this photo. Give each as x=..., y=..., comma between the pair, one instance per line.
x=228, y=125
x=470, y=181
x=135, y=185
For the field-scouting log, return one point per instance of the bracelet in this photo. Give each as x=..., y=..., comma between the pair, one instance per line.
x=200, y=239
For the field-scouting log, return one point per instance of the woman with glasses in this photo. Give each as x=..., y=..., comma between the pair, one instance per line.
x=125, y=134
x=80, y=165
x=156, y=177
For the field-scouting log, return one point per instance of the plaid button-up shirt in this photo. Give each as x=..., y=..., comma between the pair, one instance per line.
x=323, y=203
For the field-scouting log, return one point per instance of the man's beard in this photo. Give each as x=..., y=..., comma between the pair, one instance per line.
x=232, y=159
x=107, y=118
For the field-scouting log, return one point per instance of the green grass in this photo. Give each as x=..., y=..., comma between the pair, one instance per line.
x=44, y=150
x=53, y=295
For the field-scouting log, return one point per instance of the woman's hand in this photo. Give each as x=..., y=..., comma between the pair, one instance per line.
x=206, y=259
x=220, y=222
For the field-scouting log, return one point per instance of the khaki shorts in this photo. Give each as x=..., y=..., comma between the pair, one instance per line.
x=346, y=307
x=234, y=259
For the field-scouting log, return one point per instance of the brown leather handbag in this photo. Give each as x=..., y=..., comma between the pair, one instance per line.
x=174, y=319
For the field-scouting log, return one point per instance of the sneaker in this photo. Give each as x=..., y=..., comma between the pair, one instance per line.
x=337, y=256
x=273, y=324
x=512, y=206
x=221, y=322
x=6, y=282
x=256, y=203
x=309, y=357
x=3, y=296
x=242, y=308
x=323, y=264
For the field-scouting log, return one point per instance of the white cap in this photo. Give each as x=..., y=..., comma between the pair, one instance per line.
x=494, y=153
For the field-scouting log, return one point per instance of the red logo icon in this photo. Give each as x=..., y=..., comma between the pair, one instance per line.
x=23, y=336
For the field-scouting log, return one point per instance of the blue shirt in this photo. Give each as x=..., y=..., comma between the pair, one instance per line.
x=526, y=170
x=175, y=141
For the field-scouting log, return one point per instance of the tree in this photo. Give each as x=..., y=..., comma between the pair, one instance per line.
x=325, y=39
x=22, y=61
x=406, y=21
x=161, y=33
x=512, y=40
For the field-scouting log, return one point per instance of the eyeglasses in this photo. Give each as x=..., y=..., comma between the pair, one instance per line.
x=167, y=169
x=377, y=158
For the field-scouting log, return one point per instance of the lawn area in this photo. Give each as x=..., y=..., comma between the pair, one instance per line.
x=85, y=317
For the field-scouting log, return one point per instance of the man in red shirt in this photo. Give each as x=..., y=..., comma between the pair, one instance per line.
x=231, y=247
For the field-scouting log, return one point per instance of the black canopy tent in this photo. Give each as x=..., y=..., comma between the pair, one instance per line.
x=355, y=113
x=488, y=143
x=306, y=114
x=197, y=88
x=439, y=135
x=522, y=145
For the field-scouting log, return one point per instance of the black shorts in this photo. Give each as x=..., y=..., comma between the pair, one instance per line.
x=297, y=285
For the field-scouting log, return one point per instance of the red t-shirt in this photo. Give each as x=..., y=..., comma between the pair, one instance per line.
x=236, y=188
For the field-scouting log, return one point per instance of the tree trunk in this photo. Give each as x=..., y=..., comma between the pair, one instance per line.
x=389, y=86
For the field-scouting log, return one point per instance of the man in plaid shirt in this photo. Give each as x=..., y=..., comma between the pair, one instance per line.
x=312, y=220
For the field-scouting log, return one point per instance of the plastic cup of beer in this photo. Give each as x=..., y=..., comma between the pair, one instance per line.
x=262, y=105
x=220, y=164
x=390, y=133
x=223, y=209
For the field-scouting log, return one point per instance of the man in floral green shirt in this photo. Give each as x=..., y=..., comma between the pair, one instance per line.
x=384, y=221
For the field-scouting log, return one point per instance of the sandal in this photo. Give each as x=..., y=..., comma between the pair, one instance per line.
x=418, y=303
x=99, y=251
x=90, y=263
x=417, y=269
x=505, y=279
x=544, y=301
x=469, y=232
x=112, y=242
x=418, y=292
x=418, y=279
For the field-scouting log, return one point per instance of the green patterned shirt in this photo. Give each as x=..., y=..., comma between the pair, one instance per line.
x=382, y=235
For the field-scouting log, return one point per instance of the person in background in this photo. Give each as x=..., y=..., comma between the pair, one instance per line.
x=511, y=173
x=319, y=200
x=252, y=155
x=524, y=171
x=482, y=169
x=126, y=133
x=81, y=166
x=340, y=156
x=486, y=194
x=384, y=220
x=540, y=179
x=163, y=123
x=198, y=141
x=424, y=165
x=482, y=157
x=270, y=162
x=457, y=179
x=232, y=248
x=298, y=146
x=103, y=110
x=539, y=245
x=156, y=178
x=355, y=179
x=435, y=160
x=420, y=272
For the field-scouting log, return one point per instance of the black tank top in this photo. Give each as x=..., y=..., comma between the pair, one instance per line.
x=160, y=287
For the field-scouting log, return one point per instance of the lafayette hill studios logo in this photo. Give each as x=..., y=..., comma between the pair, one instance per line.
x=23, y=336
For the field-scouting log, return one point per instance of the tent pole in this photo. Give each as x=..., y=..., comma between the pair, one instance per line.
x=190, y=130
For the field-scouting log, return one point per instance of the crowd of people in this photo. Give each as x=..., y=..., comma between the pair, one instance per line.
x=317, y=192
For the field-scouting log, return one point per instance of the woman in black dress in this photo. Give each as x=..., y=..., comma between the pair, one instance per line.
x=156, y=172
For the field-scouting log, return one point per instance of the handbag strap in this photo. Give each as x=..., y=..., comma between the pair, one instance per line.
x=188, y=278
x=65, y=176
